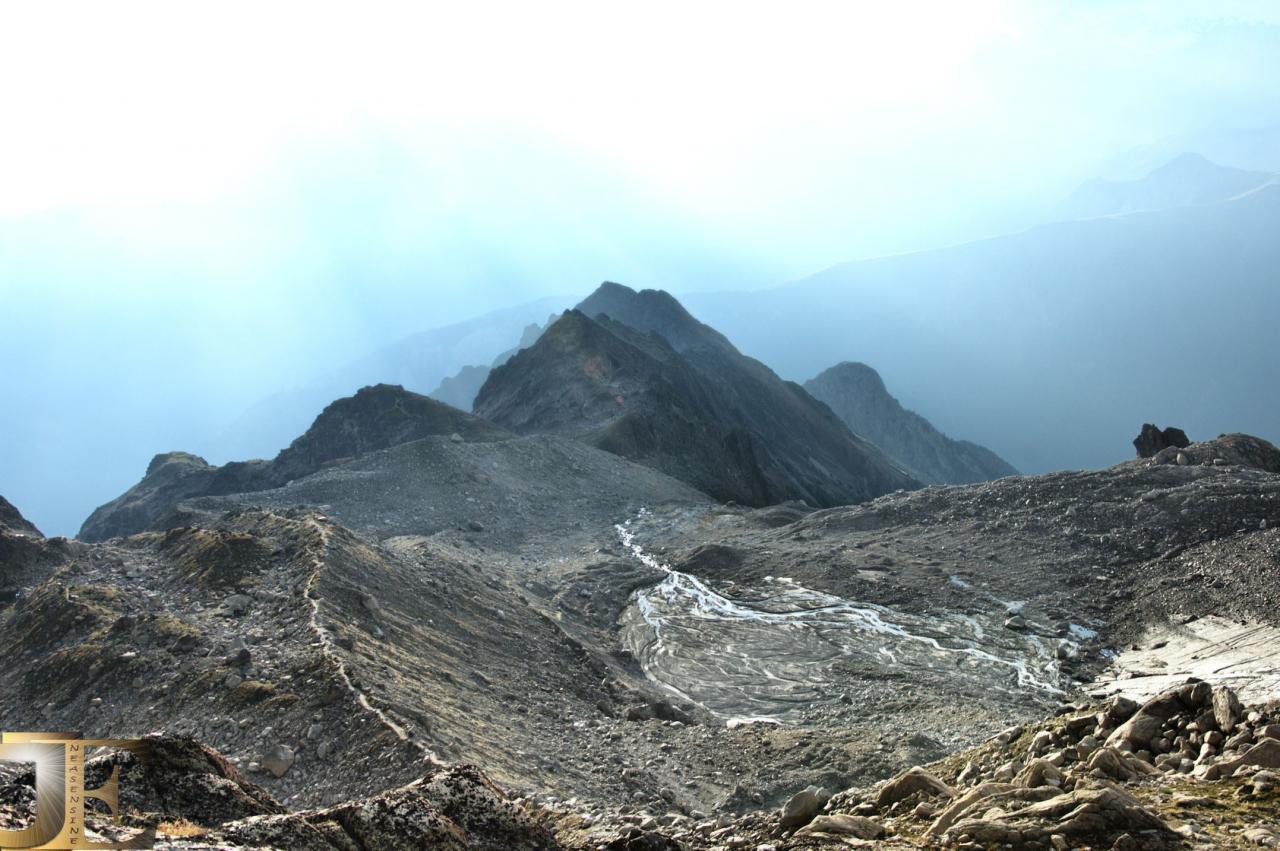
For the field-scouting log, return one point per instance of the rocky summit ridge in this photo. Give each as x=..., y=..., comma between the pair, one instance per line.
x=643, y=379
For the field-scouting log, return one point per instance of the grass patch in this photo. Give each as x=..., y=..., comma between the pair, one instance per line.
x=253, y=691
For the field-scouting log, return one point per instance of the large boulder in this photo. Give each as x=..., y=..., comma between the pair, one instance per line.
x=1265, y=754
x=1227, y=710
x=842, y=824
x=1146, y=724
x=911, y=782
x=801, y=807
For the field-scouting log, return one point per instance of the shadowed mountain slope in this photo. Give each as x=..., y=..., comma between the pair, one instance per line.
x=694, y=408
x=857, y=394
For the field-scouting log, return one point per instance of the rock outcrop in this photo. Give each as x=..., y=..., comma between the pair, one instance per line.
x=1227, y=450
x=858, y=396
x=1152, y=439
x=25, y=555
x=11, y=520
x=1096, y=776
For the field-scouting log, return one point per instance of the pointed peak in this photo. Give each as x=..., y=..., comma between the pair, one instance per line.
x=651, y=312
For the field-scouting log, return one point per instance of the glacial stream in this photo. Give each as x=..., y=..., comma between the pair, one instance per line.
x=789, y=649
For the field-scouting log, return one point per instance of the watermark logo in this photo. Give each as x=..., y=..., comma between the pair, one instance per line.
x=61, y=795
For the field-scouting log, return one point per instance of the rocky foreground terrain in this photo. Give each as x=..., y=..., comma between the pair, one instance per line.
x=416, y=628
x=348, y=673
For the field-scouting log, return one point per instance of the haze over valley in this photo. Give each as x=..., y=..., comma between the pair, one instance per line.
x=679, y=428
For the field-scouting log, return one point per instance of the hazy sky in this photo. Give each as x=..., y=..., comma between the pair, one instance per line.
x=790, y=119
x=201, y=204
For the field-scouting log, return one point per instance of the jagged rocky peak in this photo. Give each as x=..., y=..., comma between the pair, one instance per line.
x=645, y=380
x=857, y=394
x=11, y=520
x=580, y=377
x=460, y=389
x=652, y=312
x=375, y=418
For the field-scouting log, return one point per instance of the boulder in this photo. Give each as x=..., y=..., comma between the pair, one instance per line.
x=859, y=827
x=1117, y=710
x=1227, y=710
x=801, y=807
x=910, y=782
x=1144, y=727
x=279, y=760
x=1265, y=754
x=1112, y=763
x=1038, y=772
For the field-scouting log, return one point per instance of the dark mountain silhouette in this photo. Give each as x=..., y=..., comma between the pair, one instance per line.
x=374, y=418
x=656, y=386
x=858, y=396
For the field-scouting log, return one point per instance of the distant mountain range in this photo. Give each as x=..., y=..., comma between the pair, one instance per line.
x=1154, y=304
x=1050, y=344
x=630, y=373
x=1087, y=300
x=1253, y=149
x=1187, y=179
